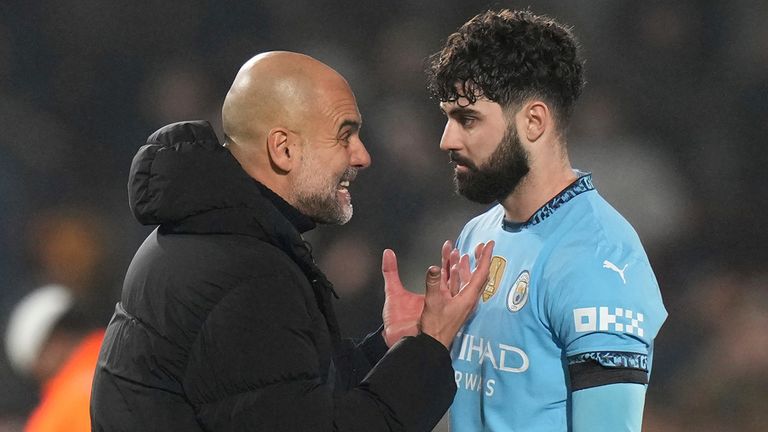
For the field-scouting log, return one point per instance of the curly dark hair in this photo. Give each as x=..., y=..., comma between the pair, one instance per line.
x=509, y=57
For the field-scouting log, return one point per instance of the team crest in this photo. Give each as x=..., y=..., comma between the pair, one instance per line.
x=495, y=273
x=518, y=294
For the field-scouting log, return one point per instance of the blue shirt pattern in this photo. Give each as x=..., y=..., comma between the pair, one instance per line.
x=571, y=284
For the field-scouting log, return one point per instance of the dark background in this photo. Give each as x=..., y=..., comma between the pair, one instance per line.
x=673, y=123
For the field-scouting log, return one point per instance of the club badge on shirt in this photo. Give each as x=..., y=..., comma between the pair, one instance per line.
x=518, y=294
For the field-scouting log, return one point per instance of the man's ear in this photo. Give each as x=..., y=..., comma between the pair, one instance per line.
x=282, y=147
x=537, y=119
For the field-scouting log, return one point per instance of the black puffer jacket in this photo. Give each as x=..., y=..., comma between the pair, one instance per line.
x=226, y=324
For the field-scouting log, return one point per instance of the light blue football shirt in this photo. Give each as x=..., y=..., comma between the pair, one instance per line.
x=571, y=282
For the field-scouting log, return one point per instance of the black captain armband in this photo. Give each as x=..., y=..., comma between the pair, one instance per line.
x=595, y=369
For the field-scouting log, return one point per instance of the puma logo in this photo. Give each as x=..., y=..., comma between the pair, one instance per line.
x=609, y=265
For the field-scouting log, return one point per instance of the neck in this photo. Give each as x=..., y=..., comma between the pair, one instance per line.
x=543, y=182
x=262, y=171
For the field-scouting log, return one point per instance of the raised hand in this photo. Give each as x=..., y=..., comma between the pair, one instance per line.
x=450, y=259
x=402, y=308
x=452, y=297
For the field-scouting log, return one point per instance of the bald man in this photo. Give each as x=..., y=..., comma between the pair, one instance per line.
x=225, y=322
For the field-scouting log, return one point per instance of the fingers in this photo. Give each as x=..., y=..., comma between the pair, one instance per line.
x=388, y=261
x=455, y=271
x=454, y=278
x=489, y=246
x=480, y=275
x=445, y=253
x=433, y=279
x=478, y=250
x=454, y=281
x=444, y=277
x=464, y=273
x=389, y=271
x=454, y=258
x=483, y=264
x=450, y=258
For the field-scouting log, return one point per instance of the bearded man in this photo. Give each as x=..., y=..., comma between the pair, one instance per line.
x=563, y=337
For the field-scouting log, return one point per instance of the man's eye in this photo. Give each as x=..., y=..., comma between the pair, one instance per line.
x=467, y=121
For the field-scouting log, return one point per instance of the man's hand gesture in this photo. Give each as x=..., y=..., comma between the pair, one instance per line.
x=402, y=308
x=452, y=292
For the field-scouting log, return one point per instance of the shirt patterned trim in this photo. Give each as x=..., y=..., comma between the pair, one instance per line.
x=610, y=359
x=579, y=186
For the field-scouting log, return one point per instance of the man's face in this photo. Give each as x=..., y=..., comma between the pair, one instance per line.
x=490, y=161
x=331, y=155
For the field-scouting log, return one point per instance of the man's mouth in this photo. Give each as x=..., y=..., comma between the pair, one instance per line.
x=342, y=191
x=462, y=167
x=460, y=163
x=347, y=178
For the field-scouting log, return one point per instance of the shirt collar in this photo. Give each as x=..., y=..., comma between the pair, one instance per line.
x=582, y=184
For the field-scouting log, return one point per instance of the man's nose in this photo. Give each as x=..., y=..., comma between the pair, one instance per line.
x=450, y=139
x=359, y=156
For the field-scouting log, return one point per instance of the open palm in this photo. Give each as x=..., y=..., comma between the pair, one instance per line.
x=402, y=308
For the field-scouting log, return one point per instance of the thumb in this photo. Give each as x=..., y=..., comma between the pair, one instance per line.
x=433, y=279
x=389, y=271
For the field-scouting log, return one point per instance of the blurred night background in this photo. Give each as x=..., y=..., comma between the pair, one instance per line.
x=673, y=124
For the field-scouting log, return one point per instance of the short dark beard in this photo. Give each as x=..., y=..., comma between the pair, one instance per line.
x=499, y=176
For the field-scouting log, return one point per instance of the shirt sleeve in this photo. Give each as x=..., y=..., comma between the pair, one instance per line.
x=610, y=408
x=604, y=307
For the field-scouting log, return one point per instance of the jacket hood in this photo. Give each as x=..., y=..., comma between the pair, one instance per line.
x=185, y=181
x=184, y=171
